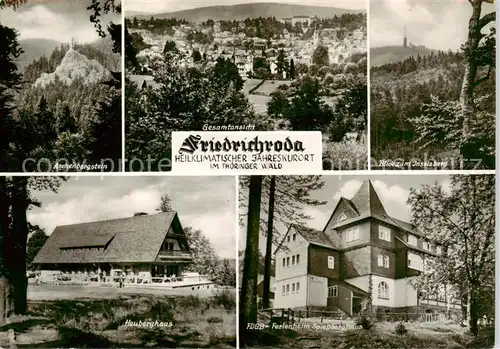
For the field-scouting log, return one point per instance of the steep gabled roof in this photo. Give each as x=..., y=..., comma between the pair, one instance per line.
x=132, y=239
x=312, y=236
x=366, y=200
x=140, y=80
x=366, y=203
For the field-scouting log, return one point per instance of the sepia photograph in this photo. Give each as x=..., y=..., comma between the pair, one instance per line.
x=432, y=80
x=245, y=66
x=118, y=262
x=395, y=261
x=60, y=86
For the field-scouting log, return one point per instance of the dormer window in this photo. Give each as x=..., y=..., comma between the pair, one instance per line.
x=412, y=240
x=342, y=217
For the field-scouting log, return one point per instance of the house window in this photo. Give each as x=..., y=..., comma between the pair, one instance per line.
x=352, y=234
x=293, y=260
x=287, y=288
x=283, y=290
x=415, y=262
x=298, y=286
x=383, y=261
x=331, y=262
x=284, y=262
x=412, y=240
x=288, y=238
x=333, y=291
x=383, y=290
x=426, y=245
x=341, y=218
x=297, y=259
x=380, y=260
x=293, y=288
x=287, y=261
x=384, y=233
x=294, y=237
x=170, y=246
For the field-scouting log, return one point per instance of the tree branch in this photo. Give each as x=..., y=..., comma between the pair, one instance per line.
x=487, y=18
x=484, y=78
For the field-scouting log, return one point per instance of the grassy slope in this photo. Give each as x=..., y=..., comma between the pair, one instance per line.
x=97, y=323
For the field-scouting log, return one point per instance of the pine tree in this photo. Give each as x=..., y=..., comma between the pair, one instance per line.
x=10, y=80
x=281, y=63
x=292, y=73
x=165, y=204
x=66, y=121
x=46, y=120
x=105, y=131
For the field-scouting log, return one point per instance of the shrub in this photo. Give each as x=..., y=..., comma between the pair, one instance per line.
x=225, y=298
x=401, y=329
x=365, y=322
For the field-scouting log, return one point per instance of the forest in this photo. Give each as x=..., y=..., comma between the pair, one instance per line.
x=416, y=109
x=78, y=121
x=261, y=27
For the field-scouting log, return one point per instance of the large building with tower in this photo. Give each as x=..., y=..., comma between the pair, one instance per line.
x=363, y=260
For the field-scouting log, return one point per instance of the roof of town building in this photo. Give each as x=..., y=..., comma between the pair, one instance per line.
x=131, y=239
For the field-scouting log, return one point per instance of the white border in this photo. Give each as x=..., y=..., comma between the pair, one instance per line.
x=368, y=89
x=261, y=173
x=123, y=165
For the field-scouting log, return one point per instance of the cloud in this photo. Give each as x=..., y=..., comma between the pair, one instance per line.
x=46, y=21
x=202, y=203
x=155, y=6
x=393, y=198
x=438, y=25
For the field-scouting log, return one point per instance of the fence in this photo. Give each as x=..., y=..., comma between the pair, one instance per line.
x=288, y=315
x=321, y=314
x=413, y=317
x=280, y=315
x=83, y=278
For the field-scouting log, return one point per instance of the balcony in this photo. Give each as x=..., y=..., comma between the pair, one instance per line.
x=174, y=255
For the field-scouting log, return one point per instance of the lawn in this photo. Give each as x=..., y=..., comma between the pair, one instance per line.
x=269, y=86
x=76, y=316
x=442, y=335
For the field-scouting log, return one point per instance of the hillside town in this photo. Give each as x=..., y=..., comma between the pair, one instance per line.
x=297, y=37
x=301, y=73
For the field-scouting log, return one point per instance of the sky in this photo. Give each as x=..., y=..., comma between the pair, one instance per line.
x=392, y=190
x=161, y=6
x=59, y=20
x=435, y=24
x=204, y=203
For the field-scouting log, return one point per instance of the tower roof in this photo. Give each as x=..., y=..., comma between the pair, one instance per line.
x=367, y=201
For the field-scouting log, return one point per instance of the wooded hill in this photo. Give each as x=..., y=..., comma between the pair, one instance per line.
x=242, y=11
x=399, y=91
